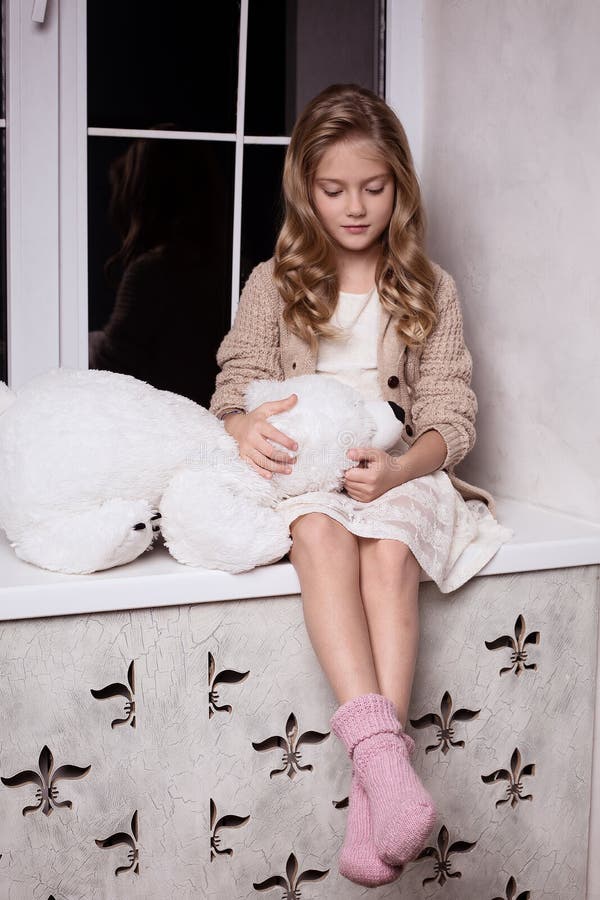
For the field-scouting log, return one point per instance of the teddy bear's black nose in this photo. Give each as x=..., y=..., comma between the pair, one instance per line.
x=398, y=411
x=140, y=526
x=157, y=516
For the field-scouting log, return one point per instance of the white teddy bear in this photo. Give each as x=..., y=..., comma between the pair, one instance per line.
x=94, y=464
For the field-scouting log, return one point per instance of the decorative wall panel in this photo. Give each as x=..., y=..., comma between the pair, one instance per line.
x=186, y=752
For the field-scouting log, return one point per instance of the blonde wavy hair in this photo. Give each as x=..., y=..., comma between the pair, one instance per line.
x=305, y=269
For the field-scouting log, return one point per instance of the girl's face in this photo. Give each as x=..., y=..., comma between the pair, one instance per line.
x=353, y=194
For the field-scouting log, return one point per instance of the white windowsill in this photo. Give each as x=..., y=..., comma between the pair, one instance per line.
x=544, y=539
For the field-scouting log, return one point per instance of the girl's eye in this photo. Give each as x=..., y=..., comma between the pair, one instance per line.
x=332, y=193
x=374, y=190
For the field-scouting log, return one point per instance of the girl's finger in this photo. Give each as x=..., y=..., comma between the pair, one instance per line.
x=363, y=453
x=267, y=463
x=256, y=468
x=354, y=475
x=271, y=432
x=280, y=455
x=253, y=464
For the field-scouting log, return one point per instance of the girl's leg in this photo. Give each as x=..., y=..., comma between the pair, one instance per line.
x=326, y=558
x=402, y=810
x=389, y=585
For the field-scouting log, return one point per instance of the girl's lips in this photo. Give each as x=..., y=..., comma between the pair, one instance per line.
x=355, y=229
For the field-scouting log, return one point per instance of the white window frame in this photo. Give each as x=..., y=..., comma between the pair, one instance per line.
x=47, y=137
x=32, y=193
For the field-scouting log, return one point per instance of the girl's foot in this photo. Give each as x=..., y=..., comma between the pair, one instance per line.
x=402, y=810
x=359, y=861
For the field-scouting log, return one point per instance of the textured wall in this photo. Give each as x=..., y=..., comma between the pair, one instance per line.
x=511, y=176
x=200, y=763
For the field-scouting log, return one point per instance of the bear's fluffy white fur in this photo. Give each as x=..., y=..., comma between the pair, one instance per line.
x=93, y=462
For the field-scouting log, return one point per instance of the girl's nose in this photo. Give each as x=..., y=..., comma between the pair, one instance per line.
x=355, y=205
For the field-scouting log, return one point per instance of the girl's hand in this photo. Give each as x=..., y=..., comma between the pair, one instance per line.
x=252, y=431
x=377, y=473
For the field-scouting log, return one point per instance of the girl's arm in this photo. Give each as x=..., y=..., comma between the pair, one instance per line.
x=426, y=455
x=444, y=407
x=251, y=348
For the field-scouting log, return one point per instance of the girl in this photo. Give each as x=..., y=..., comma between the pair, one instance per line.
x=350, y=292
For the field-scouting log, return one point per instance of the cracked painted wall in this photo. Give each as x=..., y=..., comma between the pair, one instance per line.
x=192, y=745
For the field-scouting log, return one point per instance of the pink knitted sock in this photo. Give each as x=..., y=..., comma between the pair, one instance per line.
x=402, y=810
x=359, y=861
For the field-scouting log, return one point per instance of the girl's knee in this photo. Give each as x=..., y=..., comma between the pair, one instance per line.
x=317, y=530
x=392, y=553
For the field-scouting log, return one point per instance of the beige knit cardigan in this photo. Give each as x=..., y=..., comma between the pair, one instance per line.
x=431, y=384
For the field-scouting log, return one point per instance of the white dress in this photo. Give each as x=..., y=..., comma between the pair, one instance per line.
x=452, y=539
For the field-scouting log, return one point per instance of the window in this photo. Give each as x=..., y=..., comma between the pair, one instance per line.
x=189, y=116
x=3, y=303
x=215, y=87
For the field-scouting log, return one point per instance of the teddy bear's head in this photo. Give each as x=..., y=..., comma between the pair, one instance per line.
x=328, y=419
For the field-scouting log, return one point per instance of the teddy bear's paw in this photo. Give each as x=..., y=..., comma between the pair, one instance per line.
x=111, y=534
x=208, y=520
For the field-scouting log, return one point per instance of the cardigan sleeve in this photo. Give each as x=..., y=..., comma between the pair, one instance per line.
x=442, y=397
x=251, y=348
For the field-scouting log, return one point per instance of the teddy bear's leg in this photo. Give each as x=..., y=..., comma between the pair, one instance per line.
x=111, y=534
x=212, y=519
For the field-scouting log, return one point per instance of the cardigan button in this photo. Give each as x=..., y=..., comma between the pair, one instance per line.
x=409, y=430
x=393, y=381
x=293, y=365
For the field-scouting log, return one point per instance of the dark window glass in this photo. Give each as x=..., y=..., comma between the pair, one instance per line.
x=2, y=92
x=262, y=208
x=160, y=225
x=156, y=62
x=3, y=304
x=298, y=47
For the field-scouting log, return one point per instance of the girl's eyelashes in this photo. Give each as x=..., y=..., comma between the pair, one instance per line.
x=368, y=190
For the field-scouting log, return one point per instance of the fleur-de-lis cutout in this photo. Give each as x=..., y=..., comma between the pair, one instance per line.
x=517, y=645
x=121, y=690
x=444, y=724
x=511, y=889
x=441, y=854
x=47, y=792
x=226, y=676
x=291, y=884
x=515, y=787
x=291, y=754
x=223, y=822
x=122, y=837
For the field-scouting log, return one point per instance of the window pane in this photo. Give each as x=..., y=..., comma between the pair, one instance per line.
x=159, y=309
x=262, y=208
x=156, y=62
x=298, y=47
x=3, y=303
x=3, y=54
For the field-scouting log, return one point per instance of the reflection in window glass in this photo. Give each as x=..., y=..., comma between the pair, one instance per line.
x=3, y=298
x=155, y=62
x=160, y=224
x=262, y=208
x=298, y=47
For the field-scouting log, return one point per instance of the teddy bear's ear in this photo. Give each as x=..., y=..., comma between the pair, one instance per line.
x=398, y=411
